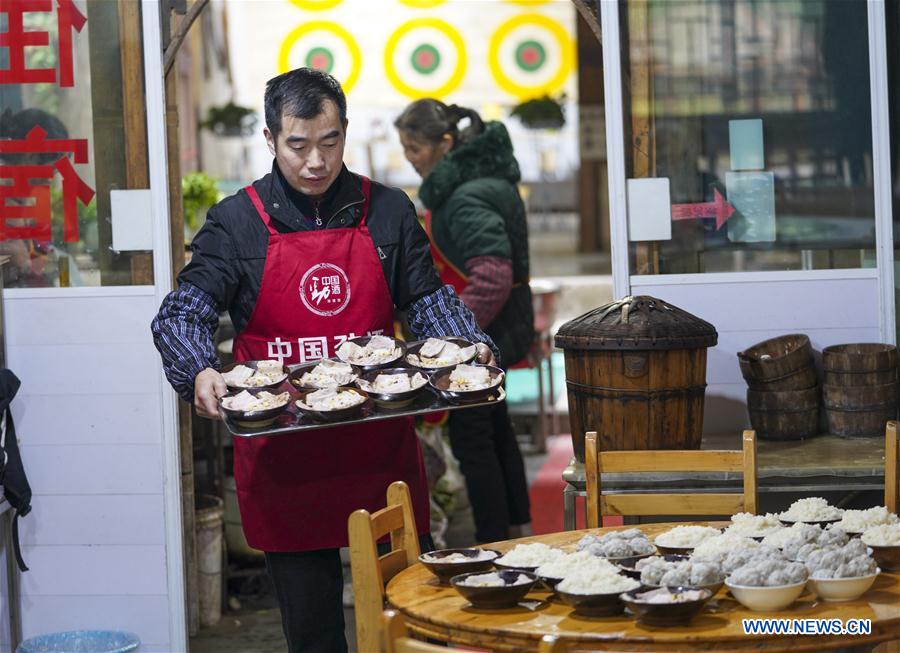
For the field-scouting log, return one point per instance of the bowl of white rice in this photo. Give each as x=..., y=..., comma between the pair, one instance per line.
x=684, y=539
x=595, y=592
x=855, y=522
x=717, y=547
x=811, y=510
x=494, y=589
x=553, y=572
x=447, y=563
x=884, y=540
x=757, y=527
x=528, y=556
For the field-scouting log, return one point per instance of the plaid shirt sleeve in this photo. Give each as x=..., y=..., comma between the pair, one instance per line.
x=442, y=313
x=183, y=333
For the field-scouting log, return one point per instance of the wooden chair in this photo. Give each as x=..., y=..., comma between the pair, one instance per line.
x=891, y=455
x=396, y=639
x=600, y=462
x=371, y=571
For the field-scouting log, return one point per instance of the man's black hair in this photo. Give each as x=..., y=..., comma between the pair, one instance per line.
x=300, y=93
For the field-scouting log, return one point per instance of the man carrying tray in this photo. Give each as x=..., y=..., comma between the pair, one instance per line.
x=303, y=259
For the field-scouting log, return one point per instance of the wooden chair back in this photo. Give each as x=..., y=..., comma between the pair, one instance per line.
x=891, y=456
x=370, y=571
x=599, y=462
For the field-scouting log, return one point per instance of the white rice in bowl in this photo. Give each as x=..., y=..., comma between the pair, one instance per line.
x=493, y=579
x=857, y=521
x=749, y=525
x=798, y=531
x=574, y=563
x=882, y=535
x=597, y=580
x=811, y=509
x=530, y=555
x=686, y=536
x=716, y=548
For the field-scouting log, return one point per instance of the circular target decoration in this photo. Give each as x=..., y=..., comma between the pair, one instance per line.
x=531, y=55
x=322, y=45
x=530, y=3
x=425, y=57
x=316, y=5
x=422, y=4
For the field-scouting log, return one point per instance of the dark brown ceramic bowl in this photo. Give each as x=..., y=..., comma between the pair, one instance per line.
x=298, y=372
x=353, y=412
x=392, y=400
x=666, y=614
x=253, y=419
x=252, y=365
x=821, y=524
x=414, y=347
x=627, y=565
x=887, y=557
x=594, y=605
x=675, y=550
x=505, y=596
x=447, y=570
x=499, y=565
x=362, y=341
x=440, y=381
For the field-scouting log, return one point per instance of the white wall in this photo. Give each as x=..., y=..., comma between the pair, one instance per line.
x=88, y=417
x=831, y=307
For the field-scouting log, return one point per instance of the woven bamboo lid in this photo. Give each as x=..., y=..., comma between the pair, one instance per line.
x=636, y=323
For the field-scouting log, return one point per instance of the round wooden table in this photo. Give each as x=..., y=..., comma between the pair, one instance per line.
x=439, y=612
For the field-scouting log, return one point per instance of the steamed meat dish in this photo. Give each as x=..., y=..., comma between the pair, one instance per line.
x=659, y=571
x=330, y=399
x=435, y=352
x=798, y=531
x=741, y=557
x=266, y=373
x=493, y=579
x=764, y=567
x=379, y=349
x=798, y=549
x=328, y=374
x=811, y=509
x=617, y=544
x=466, y=378
x=848, y=561
x=394, y=383
x=246, y=402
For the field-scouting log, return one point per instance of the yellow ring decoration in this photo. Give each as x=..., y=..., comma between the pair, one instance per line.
x=531, y=3
x=291, y=39
x=410, y=91
x=567, y=55
x=316, y=5
x=422, y=4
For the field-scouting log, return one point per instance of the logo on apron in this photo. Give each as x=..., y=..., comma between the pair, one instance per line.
x=325, y=289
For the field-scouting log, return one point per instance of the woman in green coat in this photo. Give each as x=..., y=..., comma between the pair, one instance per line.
x=479, y=241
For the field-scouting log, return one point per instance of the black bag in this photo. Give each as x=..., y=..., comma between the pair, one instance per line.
x=12, y=472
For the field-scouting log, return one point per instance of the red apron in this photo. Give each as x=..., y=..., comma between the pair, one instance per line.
x=296, y=492
x=449, y=273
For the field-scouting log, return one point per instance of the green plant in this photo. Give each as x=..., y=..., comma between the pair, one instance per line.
x=199, y=191
x=230, y=120
x=541, y=113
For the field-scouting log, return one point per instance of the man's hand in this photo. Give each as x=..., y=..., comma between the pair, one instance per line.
x=208, y=387
x=484, y=356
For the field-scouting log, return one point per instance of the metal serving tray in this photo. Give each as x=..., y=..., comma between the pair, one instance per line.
x=293, y=421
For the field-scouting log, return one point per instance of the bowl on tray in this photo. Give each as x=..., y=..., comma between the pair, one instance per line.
x=339, y=414
x=253, y=366
x=434, y=562
x=494, y=597
x=362, y=341
x=298, y=372
x=253, y=419
x=842, y=589
x=666, y=613
x=766, y=599
x=440, y=381
x=412, y=349
x=391, y=400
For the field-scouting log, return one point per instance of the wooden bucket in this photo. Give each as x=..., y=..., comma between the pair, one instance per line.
x=784, y=415
x=783, y=363
x=860, y=411
x=636, y=399
x=860, y=364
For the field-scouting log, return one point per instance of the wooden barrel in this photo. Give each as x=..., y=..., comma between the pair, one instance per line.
x=637, y=400
x=860, y=411
x=784, y=415
x=860, y=364
x=783, y=363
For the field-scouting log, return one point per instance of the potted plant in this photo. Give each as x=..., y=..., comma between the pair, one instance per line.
x=541, y=113
x=199, y=191
x=230, y=120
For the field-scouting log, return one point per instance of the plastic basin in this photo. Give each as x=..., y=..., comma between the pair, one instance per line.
x=81, y=641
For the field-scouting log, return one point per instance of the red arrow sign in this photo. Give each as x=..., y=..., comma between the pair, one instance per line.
x=719, y=209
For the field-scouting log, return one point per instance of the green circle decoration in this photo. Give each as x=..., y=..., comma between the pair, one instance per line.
x=320, y=59
x=426, y=59
x=530, y=55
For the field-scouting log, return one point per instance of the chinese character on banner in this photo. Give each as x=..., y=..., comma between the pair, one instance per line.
x=313, y=349
x=340, y=340
x=23, y=200
x=16, y=39
x=279, y=349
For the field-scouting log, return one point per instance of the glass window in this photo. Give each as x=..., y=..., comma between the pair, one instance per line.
x=66, y=142
x=765, y=103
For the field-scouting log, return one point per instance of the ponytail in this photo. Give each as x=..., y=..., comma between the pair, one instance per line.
x=428, y=120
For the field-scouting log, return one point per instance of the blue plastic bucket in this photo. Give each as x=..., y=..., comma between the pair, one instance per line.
x=81, y=641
